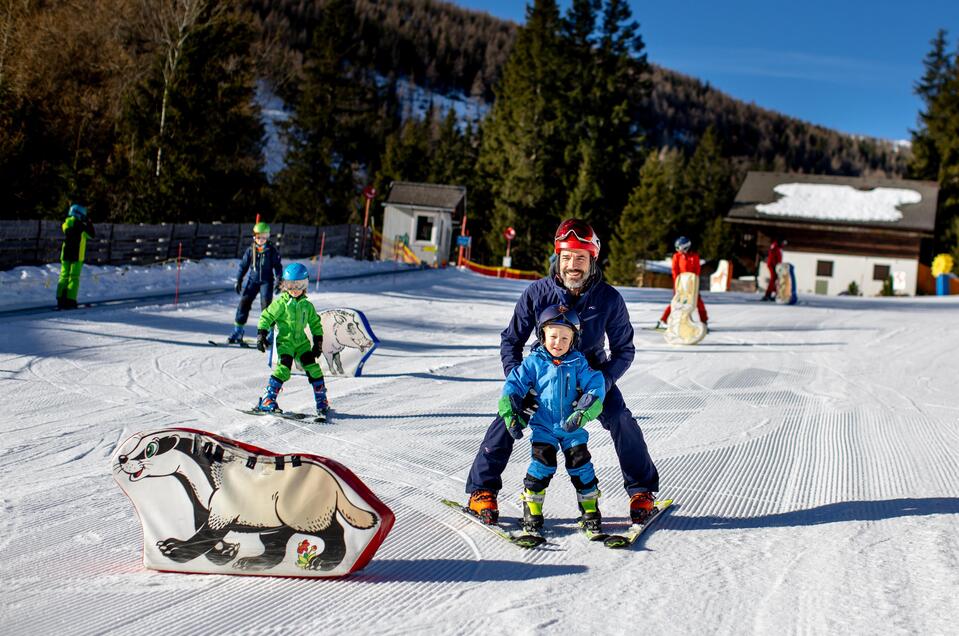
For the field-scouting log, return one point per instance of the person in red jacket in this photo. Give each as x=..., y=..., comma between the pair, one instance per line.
x=775, y=258
x=684, y=261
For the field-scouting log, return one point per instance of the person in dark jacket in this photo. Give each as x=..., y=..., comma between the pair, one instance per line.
x=574, y=281
x=262, y=261
x=77, y=228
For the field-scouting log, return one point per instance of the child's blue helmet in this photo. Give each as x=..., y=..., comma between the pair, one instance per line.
x=558, y=315
x=295, y=271
x=683, y=244
x=77, y=211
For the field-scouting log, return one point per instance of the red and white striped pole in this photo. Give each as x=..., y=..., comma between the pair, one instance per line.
x=179, y=253
x=319, y=260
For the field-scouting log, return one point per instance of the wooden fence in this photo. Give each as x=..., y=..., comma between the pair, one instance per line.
x=38, y=242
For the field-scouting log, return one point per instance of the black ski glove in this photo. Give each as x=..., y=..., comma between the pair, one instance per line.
x=276, y=288
x=239, y=286
x=261, y=340
x=317, y=346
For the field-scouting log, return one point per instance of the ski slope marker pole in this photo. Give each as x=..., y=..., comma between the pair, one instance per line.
x=179, y=252
x=319, y=260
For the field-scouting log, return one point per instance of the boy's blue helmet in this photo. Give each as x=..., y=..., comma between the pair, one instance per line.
x=683, y=244
x=558, y=315
x=295, y=271
x=77, y=211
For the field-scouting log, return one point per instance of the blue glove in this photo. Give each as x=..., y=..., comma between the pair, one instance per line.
x=585, y=410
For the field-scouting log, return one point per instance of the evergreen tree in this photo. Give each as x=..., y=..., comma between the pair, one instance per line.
x=646, y=226
x=194, y=139
x=708, y=190
x=938, y=68
x=332, y=134
x=524, y=141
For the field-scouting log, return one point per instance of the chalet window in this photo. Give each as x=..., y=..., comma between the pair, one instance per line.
x=880, y=272
x=424, y=228
x=824, y=269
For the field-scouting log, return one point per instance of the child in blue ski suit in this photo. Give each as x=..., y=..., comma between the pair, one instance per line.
x=262, y=261
x=570, y=394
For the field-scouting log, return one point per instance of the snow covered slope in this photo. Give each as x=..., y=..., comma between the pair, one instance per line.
x=811, y=450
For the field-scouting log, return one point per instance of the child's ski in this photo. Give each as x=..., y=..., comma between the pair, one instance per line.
x=629, y=537
x=243, y=344
x=522, y=538
x=290, y=415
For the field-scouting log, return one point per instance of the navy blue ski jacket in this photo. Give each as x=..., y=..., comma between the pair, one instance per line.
x=263, y=266
x=602, y=314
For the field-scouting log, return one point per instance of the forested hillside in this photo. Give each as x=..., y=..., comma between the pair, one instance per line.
x=145, y=111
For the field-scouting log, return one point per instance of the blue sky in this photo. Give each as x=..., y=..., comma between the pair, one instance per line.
x=846, y=64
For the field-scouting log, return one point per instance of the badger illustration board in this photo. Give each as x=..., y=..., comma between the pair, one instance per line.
x=681, y=328
x=208, y=504
x=719, y=280
x=785, y=284
x=348, y=342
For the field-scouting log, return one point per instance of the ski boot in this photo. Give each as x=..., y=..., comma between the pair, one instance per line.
x=641, y=507
x=268, y=401
x=533, y=510
x=237, y=336
x=660, y=326
x=483, y=505
x=590, y=520
x=319, y=393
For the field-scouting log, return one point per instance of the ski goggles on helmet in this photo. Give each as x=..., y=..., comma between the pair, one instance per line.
x=573, y=234
x=296, y=285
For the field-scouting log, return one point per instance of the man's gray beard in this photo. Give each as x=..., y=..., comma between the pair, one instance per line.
x=574, y=284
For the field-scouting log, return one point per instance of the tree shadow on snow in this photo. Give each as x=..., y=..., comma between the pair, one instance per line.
x=459, y=570
x=830, y=513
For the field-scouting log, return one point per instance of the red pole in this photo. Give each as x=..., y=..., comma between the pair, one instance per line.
x=179, y=252
x=319, y=260
x=366, y=221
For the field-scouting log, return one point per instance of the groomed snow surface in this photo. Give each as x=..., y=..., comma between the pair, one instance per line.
x=811, y=451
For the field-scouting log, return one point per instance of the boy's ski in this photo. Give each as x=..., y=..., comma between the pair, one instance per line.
x=242, y=344
x=290, y=415
x=522, y=538
x=629, y=537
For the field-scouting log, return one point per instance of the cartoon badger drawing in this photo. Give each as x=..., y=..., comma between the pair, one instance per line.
x=273, y=496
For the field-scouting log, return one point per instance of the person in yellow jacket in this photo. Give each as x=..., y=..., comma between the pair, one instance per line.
x=77, y=228
x=292, y=312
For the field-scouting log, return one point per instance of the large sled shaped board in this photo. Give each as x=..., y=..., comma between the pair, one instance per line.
x=213, y=505
x=681, y=329
x=348, y=342
x=785, y=284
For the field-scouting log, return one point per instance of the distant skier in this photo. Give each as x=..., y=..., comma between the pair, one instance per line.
x=774, y=258
x=291, y=312
x=684, y=261
x=557, y=372
x=262, y=260
x=77, y=228
x=575, y=281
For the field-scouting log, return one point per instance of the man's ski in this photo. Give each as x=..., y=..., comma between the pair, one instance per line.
x=629, y=537
x=243, y=344
x=290, y=415
x=522, y=538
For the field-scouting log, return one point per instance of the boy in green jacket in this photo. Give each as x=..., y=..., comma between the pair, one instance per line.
x=292, y=312
x=77, y=228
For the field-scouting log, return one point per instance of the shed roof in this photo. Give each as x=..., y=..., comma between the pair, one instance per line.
x=447, y=197
x=896, y=204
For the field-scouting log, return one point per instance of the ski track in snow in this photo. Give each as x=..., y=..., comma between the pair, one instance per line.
x=810, y=450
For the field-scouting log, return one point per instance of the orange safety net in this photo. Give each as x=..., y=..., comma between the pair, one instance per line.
x=501, y=272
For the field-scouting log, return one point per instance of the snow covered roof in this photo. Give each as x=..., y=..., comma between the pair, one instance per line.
x=820, y=199
x=447, y=197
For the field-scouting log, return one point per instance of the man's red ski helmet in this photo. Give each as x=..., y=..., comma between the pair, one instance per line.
x=573, y=234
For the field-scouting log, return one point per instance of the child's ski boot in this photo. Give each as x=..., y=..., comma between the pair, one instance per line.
x=237, y=336
x=319, y=393
x=268, y=401
x=533, y=510
x=591, y=521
